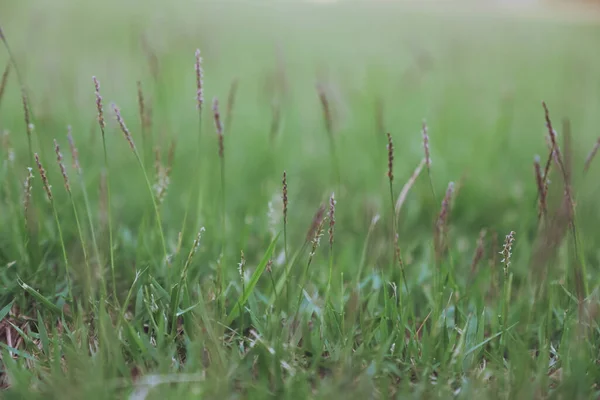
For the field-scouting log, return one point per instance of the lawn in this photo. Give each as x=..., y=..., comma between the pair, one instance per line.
x=350, y=207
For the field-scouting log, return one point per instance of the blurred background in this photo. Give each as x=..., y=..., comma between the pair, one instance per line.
x=476, y=71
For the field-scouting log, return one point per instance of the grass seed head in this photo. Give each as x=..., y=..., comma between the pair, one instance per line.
x=541, y=186
x=28, y=124
x=199, y=81
x=328, y=118
x=506, y=250
x=61, y=164
x=123, y=127
x=316, y=224
x=331, y=217
x=231, y=101
x=28, y=185
x=99, y=105
x=479, y=251
x=74, y=152
x=47, y=187
x=426, y=145
x=4, y=81
x=218, y=126
x=390, y=149
x=284, y=196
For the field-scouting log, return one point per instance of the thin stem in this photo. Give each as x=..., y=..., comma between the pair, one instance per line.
x=64, y=249
x=90, y=221
x=155, y=204
x=109, y=217
x=302, y=286
x=83, y=247
x=330, y=275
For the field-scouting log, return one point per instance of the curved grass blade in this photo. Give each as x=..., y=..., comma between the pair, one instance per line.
x=253, y=281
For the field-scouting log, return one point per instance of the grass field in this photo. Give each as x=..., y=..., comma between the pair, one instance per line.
x=172, y=267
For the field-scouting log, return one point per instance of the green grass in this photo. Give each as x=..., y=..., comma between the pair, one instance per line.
x=344, y=320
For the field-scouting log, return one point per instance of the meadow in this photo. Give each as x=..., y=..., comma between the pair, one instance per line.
x=292, y=200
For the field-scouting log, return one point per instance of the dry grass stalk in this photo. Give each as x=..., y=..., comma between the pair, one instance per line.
x=28, y=185
x=28, y=124
x=99, y=106
x=331, y=216
x=199, y=81
x=63, y=170
x=123, y=127
x=4, y=81
x=327, y=116
x=406, y=188
x=316, y=223
x=144, y=110
x=218, y=127
x=74, y=152
x=441, y=224
x=426, y=145
x=47, y=187
x=230, y=103
x=555, y=149
x=541, y=187
x=316, y=239
x=479, y=251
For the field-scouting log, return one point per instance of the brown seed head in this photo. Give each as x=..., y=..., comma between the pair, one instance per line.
x=285, y=197
x=326, y=109
x=28, y=124
x=45, y=182
x=63, y=170
x=390, y=149
x=199, y=81
x=269, y=267
x=316, y=223
x=218, y=126
x=230, y=103
x=144, y=118
x=442, y=222
x=331, y=217
x=541, y=186
x=446, y=204
x=123, y=127
x=99, y=106
x=4, y=81
x=478, y=251
x=74, y=152
x=426, y=145
x=555, y=149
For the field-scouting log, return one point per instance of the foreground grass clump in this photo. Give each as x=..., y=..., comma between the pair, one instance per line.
x=208, y=257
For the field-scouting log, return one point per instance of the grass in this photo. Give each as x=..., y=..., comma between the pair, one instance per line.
x=380, y=290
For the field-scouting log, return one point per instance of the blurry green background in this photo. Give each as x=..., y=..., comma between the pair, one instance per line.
x=476, y=74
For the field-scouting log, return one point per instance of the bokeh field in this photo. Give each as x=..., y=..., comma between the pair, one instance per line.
x=488, y=289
